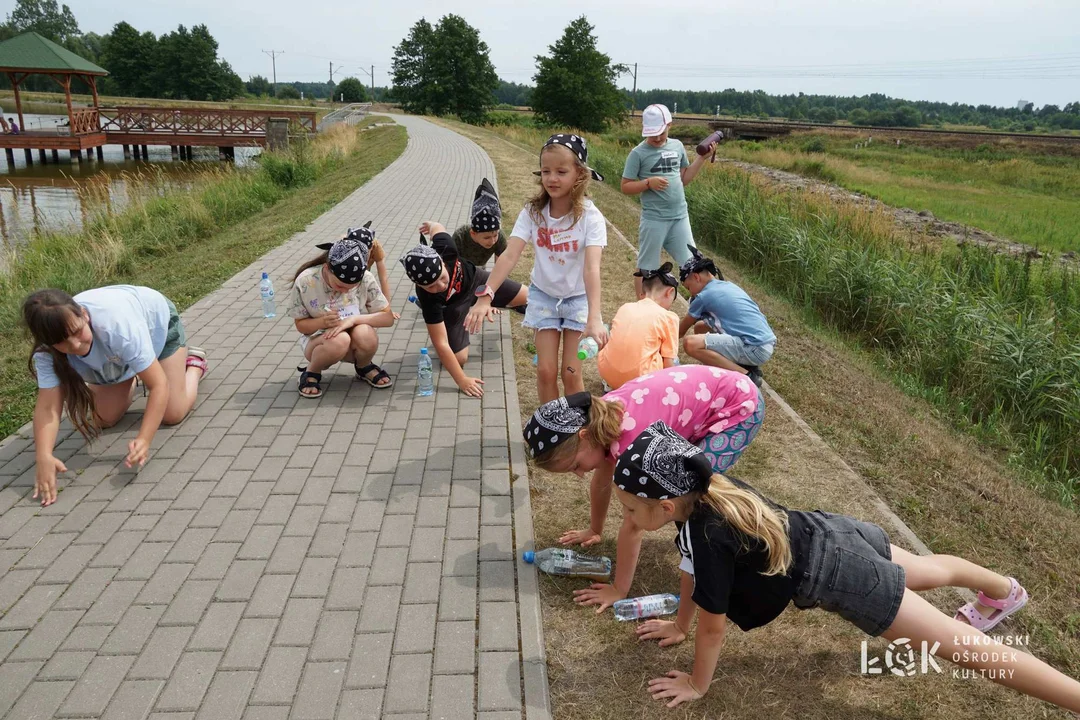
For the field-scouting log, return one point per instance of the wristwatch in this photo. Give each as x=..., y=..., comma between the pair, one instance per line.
x=485, y=290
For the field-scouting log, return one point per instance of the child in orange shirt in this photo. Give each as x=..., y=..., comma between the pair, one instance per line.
x=644, y=334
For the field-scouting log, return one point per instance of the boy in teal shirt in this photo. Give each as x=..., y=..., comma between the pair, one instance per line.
x=659, y=169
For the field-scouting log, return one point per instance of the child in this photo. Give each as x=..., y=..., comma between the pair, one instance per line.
x=336, y=307
x=481, y=237
x=644, y=334
x=446, y=288
x=659, y=169
x=88, y=350
x=745, y=557
x=569, y=234
x=741, y=339
x=721, y=411
x=373, y=254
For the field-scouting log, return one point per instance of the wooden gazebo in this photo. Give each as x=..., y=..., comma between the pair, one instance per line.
x=31, y=54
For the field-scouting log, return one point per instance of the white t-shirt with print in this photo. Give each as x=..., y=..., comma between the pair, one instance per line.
x=559, y=268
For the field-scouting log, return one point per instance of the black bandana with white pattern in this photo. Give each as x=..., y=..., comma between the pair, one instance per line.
x=485, y=214
x=555, y=421
x=577, y=145
x=697, y=263
x=422, y=264
x=660, y=464
x=346, y=259
x=365, y=236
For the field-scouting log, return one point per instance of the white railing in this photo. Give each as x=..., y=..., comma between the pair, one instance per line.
x=350, y=114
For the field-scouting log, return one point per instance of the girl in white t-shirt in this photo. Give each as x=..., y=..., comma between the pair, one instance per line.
x=568, y=234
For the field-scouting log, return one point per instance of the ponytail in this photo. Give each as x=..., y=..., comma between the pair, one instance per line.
x=322, y=259
x=603, y=427
x=748, y=513
x=48, y=315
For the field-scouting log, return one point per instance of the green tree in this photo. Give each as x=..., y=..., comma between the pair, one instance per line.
x=258, y=86
x=411, y=74
x=444, y=69
x=575, y=86
x=46, y=18
x=906, y=116
x=350, y=90
x=288, y=92
x=131, y=60
x=858, y=116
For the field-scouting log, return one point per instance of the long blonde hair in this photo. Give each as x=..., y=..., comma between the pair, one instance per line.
x=602, y=429
x=578, y=193
x=748, y=513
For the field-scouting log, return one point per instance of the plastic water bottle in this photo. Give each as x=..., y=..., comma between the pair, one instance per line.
x=414, y=300
x=587, y=349
x=266, y=290
x=424, y=374
x=568, y=563
x=646, y=607
x=536, y=359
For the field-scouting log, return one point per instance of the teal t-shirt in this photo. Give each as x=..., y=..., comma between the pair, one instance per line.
x=646, y=161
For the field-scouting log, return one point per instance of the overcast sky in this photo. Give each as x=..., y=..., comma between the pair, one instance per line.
x=1031, y=48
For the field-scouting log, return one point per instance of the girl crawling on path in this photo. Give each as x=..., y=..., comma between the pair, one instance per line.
x=88, y=350
x=746, y=558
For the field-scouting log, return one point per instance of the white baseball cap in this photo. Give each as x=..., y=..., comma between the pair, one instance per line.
x=654, y=120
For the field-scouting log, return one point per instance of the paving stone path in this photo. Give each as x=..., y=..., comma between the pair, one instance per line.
x=349, y=557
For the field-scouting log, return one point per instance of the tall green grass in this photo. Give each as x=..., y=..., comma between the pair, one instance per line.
x=997, y=338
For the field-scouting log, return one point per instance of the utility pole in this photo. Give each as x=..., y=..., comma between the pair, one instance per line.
x=373, y=82
x=273, y=60
x=634, y=100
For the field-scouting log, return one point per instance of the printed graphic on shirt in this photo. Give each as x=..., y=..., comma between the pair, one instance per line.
x=556, y=241
x=668, y=162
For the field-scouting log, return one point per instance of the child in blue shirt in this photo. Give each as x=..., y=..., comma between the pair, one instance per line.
x=88, y=349
x=737, y=336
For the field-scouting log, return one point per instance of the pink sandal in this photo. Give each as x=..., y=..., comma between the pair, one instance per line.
x=198, y=359
x=1016, y=599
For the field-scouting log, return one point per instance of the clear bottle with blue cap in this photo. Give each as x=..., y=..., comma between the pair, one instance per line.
x=568, y=563
x=424, y=376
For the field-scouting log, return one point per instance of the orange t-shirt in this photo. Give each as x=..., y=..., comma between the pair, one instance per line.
x=642, y=335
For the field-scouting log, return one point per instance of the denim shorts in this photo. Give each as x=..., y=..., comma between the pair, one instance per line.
x=655, y=235
x=548, y=313
x=725, y=448
x=849, y=571
x=735, y=349
x=175, y=336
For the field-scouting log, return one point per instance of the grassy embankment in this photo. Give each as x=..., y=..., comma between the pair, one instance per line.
x=1027, y=197
x=185, y=242
x=959, y=496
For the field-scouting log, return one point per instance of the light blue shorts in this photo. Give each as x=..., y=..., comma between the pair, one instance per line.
x=671, y=235
x=548, y=313
x=734, y=348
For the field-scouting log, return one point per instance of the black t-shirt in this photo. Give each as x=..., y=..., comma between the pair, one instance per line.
x=727, y=567
x=477, y=254
x=462, y=282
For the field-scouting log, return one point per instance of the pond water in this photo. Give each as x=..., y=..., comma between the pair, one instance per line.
x=63, y=196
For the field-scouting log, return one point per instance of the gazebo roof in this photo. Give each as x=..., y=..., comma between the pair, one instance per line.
x=33, y=53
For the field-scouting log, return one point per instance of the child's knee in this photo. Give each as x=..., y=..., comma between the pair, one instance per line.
x=173, y=417
x=693, y=344
x=547, y=372
x=365, y=337
x=462, y=356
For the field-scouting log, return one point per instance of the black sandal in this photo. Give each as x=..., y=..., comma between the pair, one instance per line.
x=309, y=380
x=361, y=372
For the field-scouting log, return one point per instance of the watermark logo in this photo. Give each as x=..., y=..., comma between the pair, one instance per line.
x=901, y=659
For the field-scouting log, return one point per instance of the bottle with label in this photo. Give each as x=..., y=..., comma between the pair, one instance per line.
x=646, y=607
x=266, y=290
x=424, y=379
x=587, y=349
x=568, y=563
